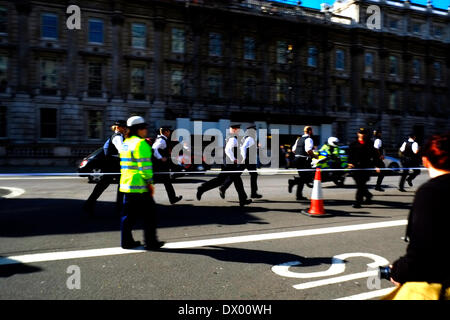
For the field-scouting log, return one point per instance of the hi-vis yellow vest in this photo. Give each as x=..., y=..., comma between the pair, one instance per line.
x=135, y=166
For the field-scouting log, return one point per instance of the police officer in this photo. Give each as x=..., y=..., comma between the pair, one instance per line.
x=409, y=158
x=362, y=155
x=231, y=164
x=111, y=148
x=303, y=149
x=248, y=151
x=161, y=163
x=136, y=182
x=378, y=145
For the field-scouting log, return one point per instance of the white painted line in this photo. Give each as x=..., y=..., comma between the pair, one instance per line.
x=284, y=235
x=52, y=256
x=368, y=295
x=14, y=192
x=325, y=282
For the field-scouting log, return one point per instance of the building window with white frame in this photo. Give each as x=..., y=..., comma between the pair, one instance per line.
x=340, y=60
x=249, y=48
x=138, y=35
x=137, y=81
x=95, y=79
x=178, y=40
x=49, y=26
x=94, y=124
x=177, y=83
x=215, y=44
x=312, y=57
x=96, y=32
x=49, y=76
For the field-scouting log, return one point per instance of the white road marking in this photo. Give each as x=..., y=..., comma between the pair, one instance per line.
x=368, y=295
x=52, y=256
x=325, y=282
x=14, y=192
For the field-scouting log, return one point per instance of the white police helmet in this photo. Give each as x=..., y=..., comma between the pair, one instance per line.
x=135, y=120
x=333, y=141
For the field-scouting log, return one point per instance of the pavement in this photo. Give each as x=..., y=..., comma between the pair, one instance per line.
x=215, y=250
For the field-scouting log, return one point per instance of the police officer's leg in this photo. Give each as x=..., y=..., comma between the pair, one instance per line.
x=297, y=162
x=99, y=188
x=119, y=200
x=148, y=210
x=380, y=177
x=359, y=181
x=305, y=177
x=226, y=184
x=253, y=180
x=239, y=185
x=129, y=214
x=404, y=175
x=165, y=179
x=412, y=176
x=211, y=184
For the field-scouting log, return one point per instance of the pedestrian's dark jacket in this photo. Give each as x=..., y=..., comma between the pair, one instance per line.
x=427, y=256
x=363, y=155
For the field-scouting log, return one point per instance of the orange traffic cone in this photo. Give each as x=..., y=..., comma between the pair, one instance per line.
x=317, y=209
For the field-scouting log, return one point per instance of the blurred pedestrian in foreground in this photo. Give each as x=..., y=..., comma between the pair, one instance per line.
x=424, y=270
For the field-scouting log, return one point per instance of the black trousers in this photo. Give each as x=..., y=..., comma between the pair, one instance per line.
x=361, y=178
x=381, y=174
x=164, y=178
x=138, y=206
x=303, y=176
x=234, y=177
x=406, y=175
x=253, y=179
x=100, y=187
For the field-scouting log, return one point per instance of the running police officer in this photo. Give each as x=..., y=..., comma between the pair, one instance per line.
x=362, y=156
x=249, y=150
x=231, y=164
x=136, y=182
x=161, y=163
x=303, y=149
x=378, y=145
x=111, y=148
x=410, y=159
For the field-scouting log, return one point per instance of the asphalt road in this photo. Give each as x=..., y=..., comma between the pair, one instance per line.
x=267, y=250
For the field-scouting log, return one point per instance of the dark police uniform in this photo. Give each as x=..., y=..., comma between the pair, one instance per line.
x=302, y=161
x=235, y=177
x=409, y=159
x=160, y=148
x=362, y=155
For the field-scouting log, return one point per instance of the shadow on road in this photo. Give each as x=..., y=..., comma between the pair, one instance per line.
x=9, y=270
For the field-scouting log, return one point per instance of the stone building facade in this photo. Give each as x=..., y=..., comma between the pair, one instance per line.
x=176, y=62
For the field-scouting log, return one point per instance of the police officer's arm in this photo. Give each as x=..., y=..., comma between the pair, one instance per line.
x=159, y=143
x=229, y=149
x=143, y=155
x=249, y=141
x=118, y=141
x=309, y=146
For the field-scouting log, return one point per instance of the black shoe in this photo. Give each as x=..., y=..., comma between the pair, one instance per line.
x=222, y=193
x=379, y=189
x=176, y=199
x=154, y=246
x=131, y=245
x=409, y=182
x=357, y=205
x=401, y=189
x=245, y=202
x=368, y=199
x=302, y=198
x=199, y=194
x=256, y=196
x=291, y=184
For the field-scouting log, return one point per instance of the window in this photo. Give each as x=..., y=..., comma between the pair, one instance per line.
x=178, y=40
x=137, y=80
x=138, y=35
x=281, y=52
x=393, y=66
x=3, y=20
x=48, y=122
x=95, y=83
x=340, y=96
x=312, y=57
x=438, y=31
x=215, y=44
x=95, y=124
x=368, y=63
x=3, y=122
x=417, y=68
x=370, y=98
x=340, y=59
x=394, y=23
x=281, y=89
x=249, y=48
x=95, y=31
x=394, y=100
x=176, y=83
x=250, y=88
x=49, y=26
x=437, y=70
x=215, y=86
x=417, y=27
x=3, y=73
x=49, y=74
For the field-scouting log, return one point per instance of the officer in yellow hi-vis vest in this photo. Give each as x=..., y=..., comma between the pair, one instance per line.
x=136, y=182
